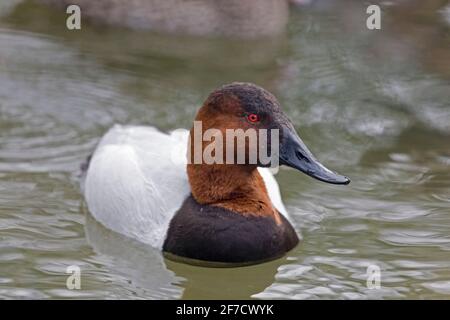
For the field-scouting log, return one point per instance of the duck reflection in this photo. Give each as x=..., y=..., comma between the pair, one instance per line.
x=141, y=265
x=225, y=283
x=159, y=278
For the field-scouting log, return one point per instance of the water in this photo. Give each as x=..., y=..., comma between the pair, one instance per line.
x=374, y=105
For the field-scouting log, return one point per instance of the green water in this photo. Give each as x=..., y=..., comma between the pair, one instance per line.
x=374, y=105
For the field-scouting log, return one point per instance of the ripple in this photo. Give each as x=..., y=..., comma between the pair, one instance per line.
x=441, y=287
x=415, y=238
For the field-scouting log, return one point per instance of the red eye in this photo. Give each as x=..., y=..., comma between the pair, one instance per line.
x=253, y=117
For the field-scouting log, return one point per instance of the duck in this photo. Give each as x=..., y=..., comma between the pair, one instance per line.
x=241, y=19
x=148, y=186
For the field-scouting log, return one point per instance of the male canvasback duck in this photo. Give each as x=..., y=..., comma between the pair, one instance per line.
x=219, y=212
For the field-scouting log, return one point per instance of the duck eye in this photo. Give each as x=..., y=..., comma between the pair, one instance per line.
x=253, y=117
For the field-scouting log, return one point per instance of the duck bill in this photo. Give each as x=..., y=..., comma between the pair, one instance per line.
x=295, y=154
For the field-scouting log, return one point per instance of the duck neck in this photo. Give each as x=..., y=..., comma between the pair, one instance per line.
x=238, y=188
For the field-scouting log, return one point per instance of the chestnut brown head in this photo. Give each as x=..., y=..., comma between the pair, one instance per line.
x=249, y=109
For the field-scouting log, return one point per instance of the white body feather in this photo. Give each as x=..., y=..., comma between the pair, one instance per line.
x=137, y=180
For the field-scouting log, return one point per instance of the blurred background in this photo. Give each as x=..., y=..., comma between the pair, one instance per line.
x=372, y=104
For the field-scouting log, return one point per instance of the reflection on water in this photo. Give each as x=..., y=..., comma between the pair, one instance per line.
x=374, y=105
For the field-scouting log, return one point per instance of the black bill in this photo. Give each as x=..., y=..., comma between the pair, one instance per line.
x=295, y=154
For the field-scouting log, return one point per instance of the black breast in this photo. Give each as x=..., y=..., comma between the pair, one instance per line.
x=218, y=235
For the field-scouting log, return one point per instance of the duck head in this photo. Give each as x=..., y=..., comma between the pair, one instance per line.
x=244, y=106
